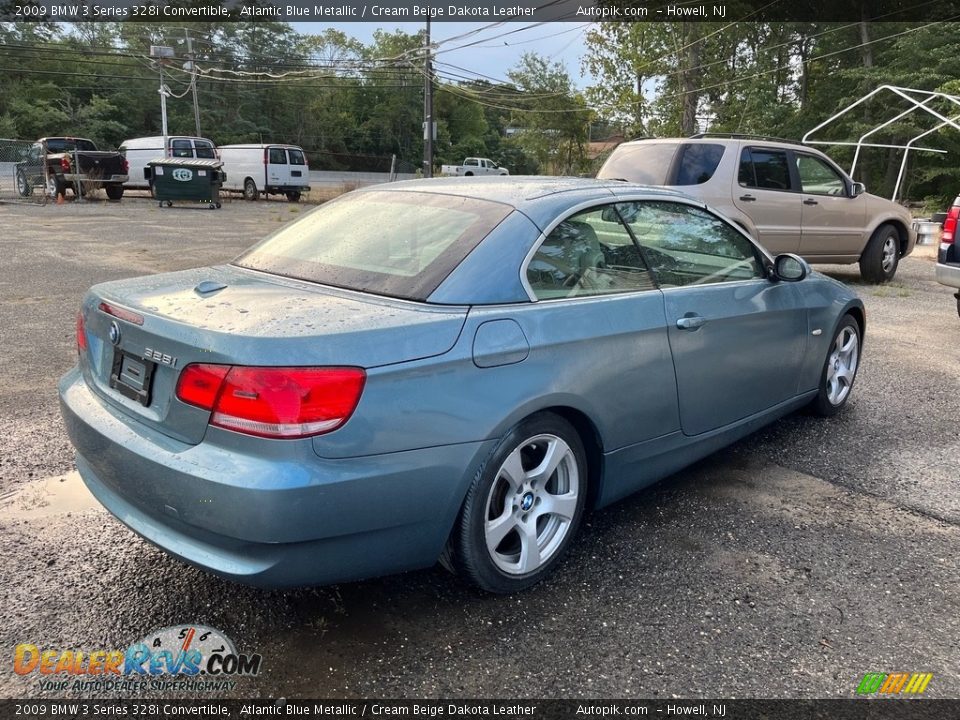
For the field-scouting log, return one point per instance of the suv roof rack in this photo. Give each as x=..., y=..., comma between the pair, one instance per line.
x=744, y=136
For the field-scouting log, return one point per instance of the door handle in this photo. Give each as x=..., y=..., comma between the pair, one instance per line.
x=690, y=322
x=810, y=201
x=747, y=198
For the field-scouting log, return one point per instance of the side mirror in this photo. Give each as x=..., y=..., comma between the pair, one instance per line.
x=857, y=189
x=790, y=268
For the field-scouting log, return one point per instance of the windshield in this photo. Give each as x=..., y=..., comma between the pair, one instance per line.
x=401, y=244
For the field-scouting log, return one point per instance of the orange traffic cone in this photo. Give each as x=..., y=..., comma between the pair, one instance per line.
x=60, y=199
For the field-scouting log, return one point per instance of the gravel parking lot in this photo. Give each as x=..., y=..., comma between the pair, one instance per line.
x=785, y=566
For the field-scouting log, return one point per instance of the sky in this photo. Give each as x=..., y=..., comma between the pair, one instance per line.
x=491, y=52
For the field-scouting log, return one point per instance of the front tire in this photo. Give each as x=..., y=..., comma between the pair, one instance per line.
x=880, y=259
x=24, y=188
x=524, y=507
x=840, y=369
x=250, y=191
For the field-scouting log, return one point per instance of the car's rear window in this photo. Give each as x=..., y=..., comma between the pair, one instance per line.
x=401, y=244
x=59, y=145
x=644, y=162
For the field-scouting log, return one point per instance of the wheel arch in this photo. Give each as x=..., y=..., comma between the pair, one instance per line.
x=898, y=224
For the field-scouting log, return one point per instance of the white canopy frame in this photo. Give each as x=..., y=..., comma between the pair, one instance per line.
x=918, y=100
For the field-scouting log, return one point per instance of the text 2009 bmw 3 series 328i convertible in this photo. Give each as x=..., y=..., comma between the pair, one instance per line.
x=451, y=369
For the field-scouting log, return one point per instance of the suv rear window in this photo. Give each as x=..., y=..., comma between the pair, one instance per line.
x=698, y=163
x=660, y=163
x=646, y=163
x=59, y=145
x=401, y=244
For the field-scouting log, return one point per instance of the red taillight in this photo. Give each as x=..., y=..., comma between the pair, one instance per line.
x=81, y=334
x=123, y=314
x=199, y=384
x=124, y=165
x=950, y=226
x=273, y=402
x=65, y=163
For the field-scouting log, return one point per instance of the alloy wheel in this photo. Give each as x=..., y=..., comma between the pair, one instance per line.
x=531, y=504
x=842, y=365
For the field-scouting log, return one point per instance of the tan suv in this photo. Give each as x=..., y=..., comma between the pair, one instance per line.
x=790, y=197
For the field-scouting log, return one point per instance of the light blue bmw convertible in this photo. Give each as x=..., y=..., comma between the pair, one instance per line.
x=453, y=369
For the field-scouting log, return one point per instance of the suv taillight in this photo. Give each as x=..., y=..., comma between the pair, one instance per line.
x=949, y=233
x=81, y=334
x=124, y=165
x=65, y=164
x=289, y=402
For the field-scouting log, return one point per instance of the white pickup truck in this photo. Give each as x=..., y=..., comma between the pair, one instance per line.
x=474, y=166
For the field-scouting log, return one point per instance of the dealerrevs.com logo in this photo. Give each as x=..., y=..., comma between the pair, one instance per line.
x=894, y=683
x=180, y=657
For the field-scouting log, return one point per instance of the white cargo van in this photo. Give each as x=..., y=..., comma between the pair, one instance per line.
x=267, y=169
x=140, y=151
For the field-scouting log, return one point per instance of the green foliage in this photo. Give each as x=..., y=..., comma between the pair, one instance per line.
x=783, y=79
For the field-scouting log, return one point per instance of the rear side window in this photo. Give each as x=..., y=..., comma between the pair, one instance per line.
x=764, y=169
x=296, y=157
x=698, y=163
x=205, y=149
x=646, y=163
x=181, y=149
x=278, y=156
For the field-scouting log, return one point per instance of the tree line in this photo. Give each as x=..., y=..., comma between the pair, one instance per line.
x=352, y=105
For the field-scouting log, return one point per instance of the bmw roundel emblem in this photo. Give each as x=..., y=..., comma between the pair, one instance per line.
x=114, y=333
x=526, y=502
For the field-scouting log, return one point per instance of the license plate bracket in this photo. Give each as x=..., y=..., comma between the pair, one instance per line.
x=132, y=376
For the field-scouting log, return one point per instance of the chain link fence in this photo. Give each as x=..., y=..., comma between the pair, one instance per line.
x=22, y=172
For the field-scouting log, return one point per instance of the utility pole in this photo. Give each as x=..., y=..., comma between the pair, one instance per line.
x=160, y=53
x=428, y=124
x=193, y=79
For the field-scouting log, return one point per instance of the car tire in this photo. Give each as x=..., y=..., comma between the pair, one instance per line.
x=839, y=369
x=55, y=187
x=880, y=259
x=468, y=174
x=524, y=507
x=293, y=196
x=250, y=191
x=958, y=303
x=114, y=192
x=24, y=188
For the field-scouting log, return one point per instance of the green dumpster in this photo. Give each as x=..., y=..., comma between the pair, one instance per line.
x=186, y=179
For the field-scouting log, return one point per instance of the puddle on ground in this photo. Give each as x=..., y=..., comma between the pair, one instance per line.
x=51, y=496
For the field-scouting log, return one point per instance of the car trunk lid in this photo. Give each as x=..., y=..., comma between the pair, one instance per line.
x=142, y=332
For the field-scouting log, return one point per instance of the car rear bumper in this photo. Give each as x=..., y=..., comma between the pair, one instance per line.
x=948, y=275
x=73, y=177
x=286, y=519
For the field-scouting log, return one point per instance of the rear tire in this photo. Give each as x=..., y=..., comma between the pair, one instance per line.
x=839, y=369
x=293, y=196
x=524, y=507
x=114, y=192
x=250, y=191
x=880, y=259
